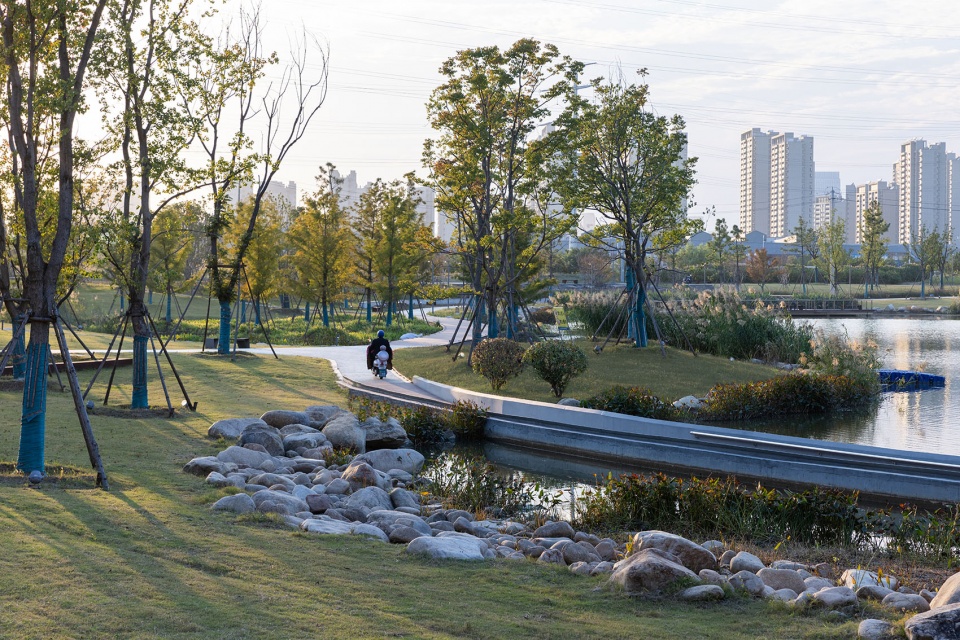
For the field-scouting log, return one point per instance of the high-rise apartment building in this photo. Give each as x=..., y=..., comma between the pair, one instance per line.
x=791, y=182
x=887, y=196
x=921, y=175
x=953, y=195
x=755, y=180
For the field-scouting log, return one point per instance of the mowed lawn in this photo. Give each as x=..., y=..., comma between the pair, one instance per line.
x=678, y=374
x=148, y=559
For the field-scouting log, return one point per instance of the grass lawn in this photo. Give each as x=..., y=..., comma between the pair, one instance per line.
x=148, y=559
x=677, y=375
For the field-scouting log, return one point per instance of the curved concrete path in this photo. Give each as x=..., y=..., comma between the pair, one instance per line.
x=350, y=363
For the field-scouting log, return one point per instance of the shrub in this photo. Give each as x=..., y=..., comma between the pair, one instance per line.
x=468, y=419
x=498, y=360
x=425, y=426
x=788, y=394
x=592, y=311
x=556, y=363
x=544, y=316
x=633, y=401
x=839, y=356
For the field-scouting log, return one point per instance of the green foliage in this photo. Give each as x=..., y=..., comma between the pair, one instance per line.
x=543, y=316
x=498, y=360
x=633, y=401
x=795, y=393
x=589, y=310
x=720, y=323
x=556, y=363
x=467, y=420
x=836, y=355
x=724, y=508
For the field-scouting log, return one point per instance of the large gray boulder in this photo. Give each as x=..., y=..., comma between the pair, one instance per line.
x=782, y=579
x=691, y=555
x=238, y=503
x=383, y=435
x=941, y=623
x=449, y=545
x=746, y=561
x=282, y=501
x=404, y=498
x=387, y=520
x=873, y=629
x=321, y=414
x=344, y=432
x=243, y=457
x=265, y=436
x=360, y=474
x=408, y=460
x=203, y=466
x=949, y=593
x=558, y=529
x=701, y=593
x=308, y=440
x=231, y=428
x=650, y=570
x=279, y=418
x=325, y=525
x=835, y=597
x=747, y=581
x=856, y=578
x=370, y=498
x=904, y=602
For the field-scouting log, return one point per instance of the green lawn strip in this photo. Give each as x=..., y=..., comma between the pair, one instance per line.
x=677, y=375
x=149, y=559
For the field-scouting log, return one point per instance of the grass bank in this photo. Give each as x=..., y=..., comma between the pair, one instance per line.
x=671, y=377
x=148, y=559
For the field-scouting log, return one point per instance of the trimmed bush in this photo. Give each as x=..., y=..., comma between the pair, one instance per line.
x=633, y=401
x=498, y=360
x=556, y=363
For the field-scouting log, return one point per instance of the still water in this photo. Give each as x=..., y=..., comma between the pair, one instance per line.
x=927, y=420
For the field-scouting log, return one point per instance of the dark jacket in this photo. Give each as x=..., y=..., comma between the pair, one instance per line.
x=374, y=347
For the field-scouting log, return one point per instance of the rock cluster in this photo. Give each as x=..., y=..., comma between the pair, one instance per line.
x=280, y=467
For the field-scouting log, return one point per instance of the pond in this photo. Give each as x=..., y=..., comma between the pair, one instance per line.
x=924, y=420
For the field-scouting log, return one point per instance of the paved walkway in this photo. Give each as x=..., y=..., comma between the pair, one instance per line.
x=350, y=363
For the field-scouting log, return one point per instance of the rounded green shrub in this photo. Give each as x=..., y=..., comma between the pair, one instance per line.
x=556, y=363
x=498, y=360
x=633, y=401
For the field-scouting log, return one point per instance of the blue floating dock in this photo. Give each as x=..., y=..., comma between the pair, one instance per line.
x=910, y=379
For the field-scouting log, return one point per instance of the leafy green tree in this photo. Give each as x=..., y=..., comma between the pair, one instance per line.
x=323, y=243
x=924, y=249
x=873, y=245
x=945, y=253
x=486, y=173
x=833, y=256
x=263, y=266
x=761, y=267
x=739, y=251
x=368, y=229
x=47, y=48
x=720, y=244
x=617, y=156
x=171, y=246
x=807, y=244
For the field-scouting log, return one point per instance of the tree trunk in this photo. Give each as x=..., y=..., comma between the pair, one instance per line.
x=169, y=303
x=33, y=418
x=19, y=358
x=141, y=334
x=223, y=344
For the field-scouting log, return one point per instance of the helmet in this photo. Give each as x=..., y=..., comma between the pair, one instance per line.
x=380, y=333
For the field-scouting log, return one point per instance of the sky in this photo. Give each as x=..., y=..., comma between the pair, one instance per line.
x=860, y=76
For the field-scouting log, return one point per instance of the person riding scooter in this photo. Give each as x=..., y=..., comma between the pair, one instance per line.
x=374, y=348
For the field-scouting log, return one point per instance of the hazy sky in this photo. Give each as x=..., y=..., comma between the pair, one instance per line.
x=859, y=76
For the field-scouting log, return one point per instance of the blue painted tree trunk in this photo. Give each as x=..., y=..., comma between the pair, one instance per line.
x=33, y=418
x=326, y=315
x=389, y=313
x=640, y=319
x=150, y=297
x=19, y=358
x=256, y=311
x=493, y=329
x=369, y=309
x=410, y=310
x=122, y=302
x=140, y=399
x=169, y=306
x=631, y=284
x=223, y=345
x=306, y=312
x=243, y=311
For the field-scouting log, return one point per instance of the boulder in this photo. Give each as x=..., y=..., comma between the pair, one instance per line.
x=307, y=440
x=387, y=519
x=579, y=568
x=690, y=554
x=688, y=402
x=450, y=546
x=319, y=503
x=231, y=428
x=835, y=597
x=727, y=556
x=607, y=549
x=568, y=402
x=814, y=583
x=561, y=529
x=272, y=479
x=650, y=570
x=403, y=534
x=344, y=432
x=404, y=498
x=384, y=460
x=784, y=595
x=359, y=474
x=746, y=561
x=575, y=552
x=940, y=623
x=369, y=531
x=904, y=602
x=218, y=480
x=856, y=578
x=326, y=525
x=551, y=556
x=709, y=576
x=701, y=593
x=337, y=486
x=782, y=579
x=243, y=457
x=874, y=592
x=287, y=503
x=265, y=436
x=320, y=415
x=949, y=593
x=371, y=498
x=873, y=629
x=203, y=466
x=383, y=435
x=747, y=581
x=714, y=546
x=238, y=503
x=279, y=418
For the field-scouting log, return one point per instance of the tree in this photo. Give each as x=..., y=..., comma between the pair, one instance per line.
x=761, y=268
x=171, y=246
x=615, y=155
x=833, y=256
x=739, y=251
x=46, y=51
x=227, y=83
x=323, y=243
x=367, y=229
x=945, y=252
x=594, y=266
x=487, y=175
x=807, y=245
x=720, y=244
x=924, y=249
x=873, y=245
x=265, y=255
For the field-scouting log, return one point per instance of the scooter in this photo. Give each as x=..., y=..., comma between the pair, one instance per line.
x=380, y=368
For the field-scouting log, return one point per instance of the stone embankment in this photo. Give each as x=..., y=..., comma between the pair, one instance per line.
x=279, y=466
